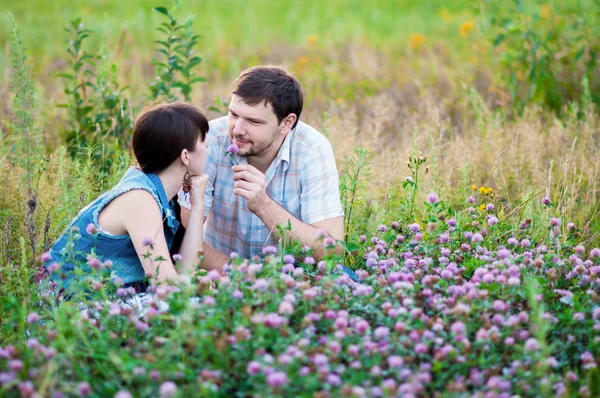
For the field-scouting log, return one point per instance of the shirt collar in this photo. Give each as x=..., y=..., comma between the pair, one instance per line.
x=283, y=155
x=285, y=151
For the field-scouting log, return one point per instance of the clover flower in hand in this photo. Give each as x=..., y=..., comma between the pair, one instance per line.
x=231, y=152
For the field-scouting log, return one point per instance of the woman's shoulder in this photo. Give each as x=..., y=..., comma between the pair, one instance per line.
x=134, y=191
x=134, y=180
x=140, y=197
x=132, y=206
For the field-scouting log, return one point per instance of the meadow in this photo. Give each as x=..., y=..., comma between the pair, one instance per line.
x=467, y=139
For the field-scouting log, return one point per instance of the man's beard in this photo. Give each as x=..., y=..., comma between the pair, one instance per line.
x=258, y=150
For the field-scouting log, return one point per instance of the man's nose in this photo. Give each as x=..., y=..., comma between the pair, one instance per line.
x=238, y=126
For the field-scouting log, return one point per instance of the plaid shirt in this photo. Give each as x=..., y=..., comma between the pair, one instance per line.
x=303, y=179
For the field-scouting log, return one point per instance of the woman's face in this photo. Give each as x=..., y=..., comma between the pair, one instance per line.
x=197, y=158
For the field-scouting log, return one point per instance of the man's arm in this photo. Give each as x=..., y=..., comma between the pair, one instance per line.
x=213, y=259
x=250, y=183
x=272, y=215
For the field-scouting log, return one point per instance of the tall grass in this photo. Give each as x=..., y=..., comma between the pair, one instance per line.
x=368, y=85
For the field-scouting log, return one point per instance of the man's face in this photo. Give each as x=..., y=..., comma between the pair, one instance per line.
x=254, y=129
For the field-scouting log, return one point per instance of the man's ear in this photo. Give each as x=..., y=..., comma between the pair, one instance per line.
x=288, y=122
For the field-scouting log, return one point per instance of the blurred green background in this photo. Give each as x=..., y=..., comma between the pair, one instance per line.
x=235, y=31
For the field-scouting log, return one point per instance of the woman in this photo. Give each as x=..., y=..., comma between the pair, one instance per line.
x=134, y=225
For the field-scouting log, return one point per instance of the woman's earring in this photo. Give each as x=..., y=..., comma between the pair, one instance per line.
x=187, y=182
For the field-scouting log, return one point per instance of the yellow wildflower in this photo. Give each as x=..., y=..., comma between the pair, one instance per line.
x=482, y=206
x=466, y=28
x=312, y=39
x=303, y=60
x=474, y=187
x=545, y=11
x=417, y=40
x=446, y=16
x=482, y=189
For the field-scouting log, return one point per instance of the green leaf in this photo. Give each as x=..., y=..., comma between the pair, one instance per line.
x=162, y=10
x=499, y=39
x=163, y=43
x=65, y=75
x=75, y=23
x=197, y=79
x=158, y=63
x=349, y=247
x=181, y=85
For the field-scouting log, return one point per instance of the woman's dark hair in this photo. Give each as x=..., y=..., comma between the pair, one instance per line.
x=274, y=85
x=162, y=131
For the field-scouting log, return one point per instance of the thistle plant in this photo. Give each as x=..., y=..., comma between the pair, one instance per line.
x=177, y=61
x=352, y=185
x=98, y=110
x=25, y=134
x=414, y=163
x=528, y=39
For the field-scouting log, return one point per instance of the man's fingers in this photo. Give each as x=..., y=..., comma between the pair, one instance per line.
x=246, y=167
x=245, y=175
x=248, y=186
x=242, y=192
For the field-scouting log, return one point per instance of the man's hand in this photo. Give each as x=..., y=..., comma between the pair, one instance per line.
x=250, y=184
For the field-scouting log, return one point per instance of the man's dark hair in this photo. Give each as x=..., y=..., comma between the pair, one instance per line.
x=162, y=131
x=274, y=85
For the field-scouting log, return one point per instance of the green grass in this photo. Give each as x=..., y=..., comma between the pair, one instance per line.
x=233, y=28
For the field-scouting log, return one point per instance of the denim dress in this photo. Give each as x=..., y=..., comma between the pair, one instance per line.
x=119, y=249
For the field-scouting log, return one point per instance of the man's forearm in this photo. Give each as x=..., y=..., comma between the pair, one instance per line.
x=213, y=259
x=272, y=214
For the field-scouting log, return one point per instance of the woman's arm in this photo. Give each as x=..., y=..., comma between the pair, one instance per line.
x=192, y=240
x=142, y=219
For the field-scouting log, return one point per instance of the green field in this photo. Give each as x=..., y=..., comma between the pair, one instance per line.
x=237, y=33
x=502, y=100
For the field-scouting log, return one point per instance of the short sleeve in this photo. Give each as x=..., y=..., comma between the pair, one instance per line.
x=320, y=186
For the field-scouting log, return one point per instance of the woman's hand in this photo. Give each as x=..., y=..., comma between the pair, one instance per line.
x=198, y=189
x=192, y=239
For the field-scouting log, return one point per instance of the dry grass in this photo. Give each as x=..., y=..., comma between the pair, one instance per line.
x=361, y=97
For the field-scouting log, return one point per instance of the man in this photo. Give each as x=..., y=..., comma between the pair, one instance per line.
x=284, y=171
